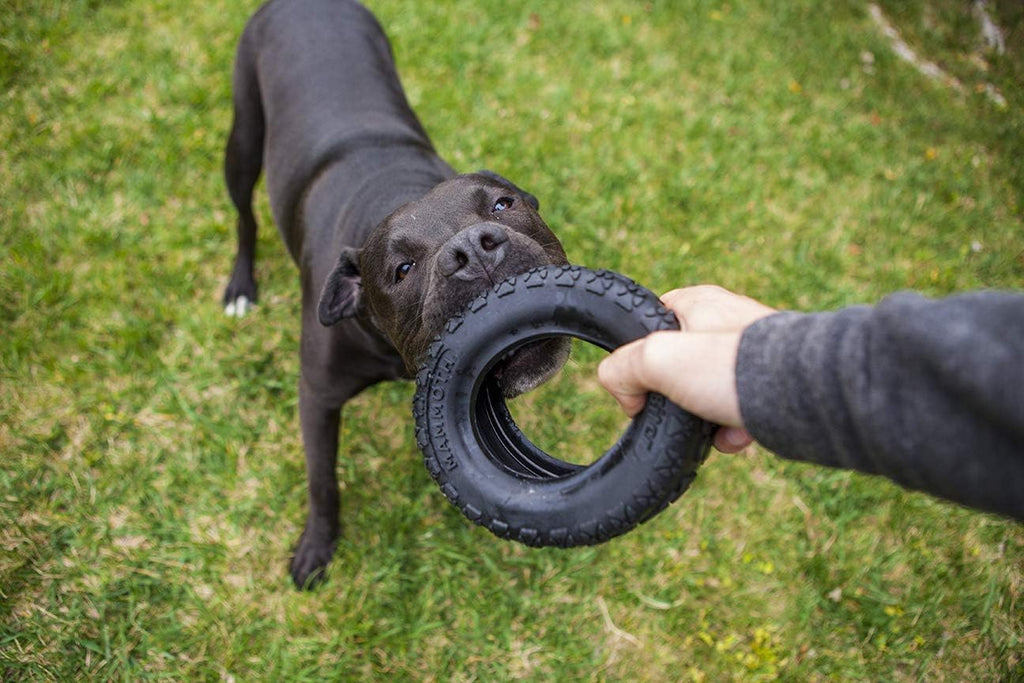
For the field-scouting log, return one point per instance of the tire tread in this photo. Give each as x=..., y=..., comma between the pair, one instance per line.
x=670, y=470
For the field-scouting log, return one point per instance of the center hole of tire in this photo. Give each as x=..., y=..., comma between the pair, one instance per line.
x=571, y=417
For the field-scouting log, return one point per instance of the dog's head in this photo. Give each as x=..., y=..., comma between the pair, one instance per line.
x=431, y=257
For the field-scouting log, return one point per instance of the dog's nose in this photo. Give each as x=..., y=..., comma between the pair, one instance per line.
x=474, y=252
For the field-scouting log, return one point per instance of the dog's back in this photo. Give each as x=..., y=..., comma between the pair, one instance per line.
x=321, y=75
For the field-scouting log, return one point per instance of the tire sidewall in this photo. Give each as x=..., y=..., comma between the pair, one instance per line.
x=651, y=464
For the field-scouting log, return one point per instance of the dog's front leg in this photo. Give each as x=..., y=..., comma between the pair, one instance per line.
x=320, y=420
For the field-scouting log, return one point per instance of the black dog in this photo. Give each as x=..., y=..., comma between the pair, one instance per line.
x=389, y=241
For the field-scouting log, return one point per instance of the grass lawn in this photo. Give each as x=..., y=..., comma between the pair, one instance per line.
x=151, y=477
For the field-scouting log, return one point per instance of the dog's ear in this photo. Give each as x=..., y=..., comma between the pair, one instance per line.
x=340, y=298
x=530, y=199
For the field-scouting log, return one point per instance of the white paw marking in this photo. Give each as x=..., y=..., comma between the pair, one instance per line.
x=238, y=308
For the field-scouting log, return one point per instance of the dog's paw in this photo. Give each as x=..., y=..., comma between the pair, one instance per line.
x=240, y=294
x=309, y=564
x=238, y=307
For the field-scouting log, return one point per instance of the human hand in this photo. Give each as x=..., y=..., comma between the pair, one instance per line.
x=695, y=368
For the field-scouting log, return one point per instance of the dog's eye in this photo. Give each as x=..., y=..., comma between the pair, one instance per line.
x=403, y=270
x=502, y=204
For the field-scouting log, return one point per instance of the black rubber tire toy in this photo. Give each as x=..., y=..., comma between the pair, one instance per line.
x=485, y=465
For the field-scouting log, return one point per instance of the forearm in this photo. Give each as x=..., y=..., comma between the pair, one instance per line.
x=929, y=394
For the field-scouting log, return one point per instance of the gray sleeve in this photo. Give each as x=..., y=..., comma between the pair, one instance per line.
x=929, y=393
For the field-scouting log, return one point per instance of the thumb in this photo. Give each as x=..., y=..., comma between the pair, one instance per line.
x=621, y=375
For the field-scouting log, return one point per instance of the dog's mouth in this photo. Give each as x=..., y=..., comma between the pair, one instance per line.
x=526, y=367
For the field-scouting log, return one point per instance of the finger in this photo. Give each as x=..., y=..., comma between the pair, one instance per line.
x=699, y=308
x=709, y=308
x=732, y=439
